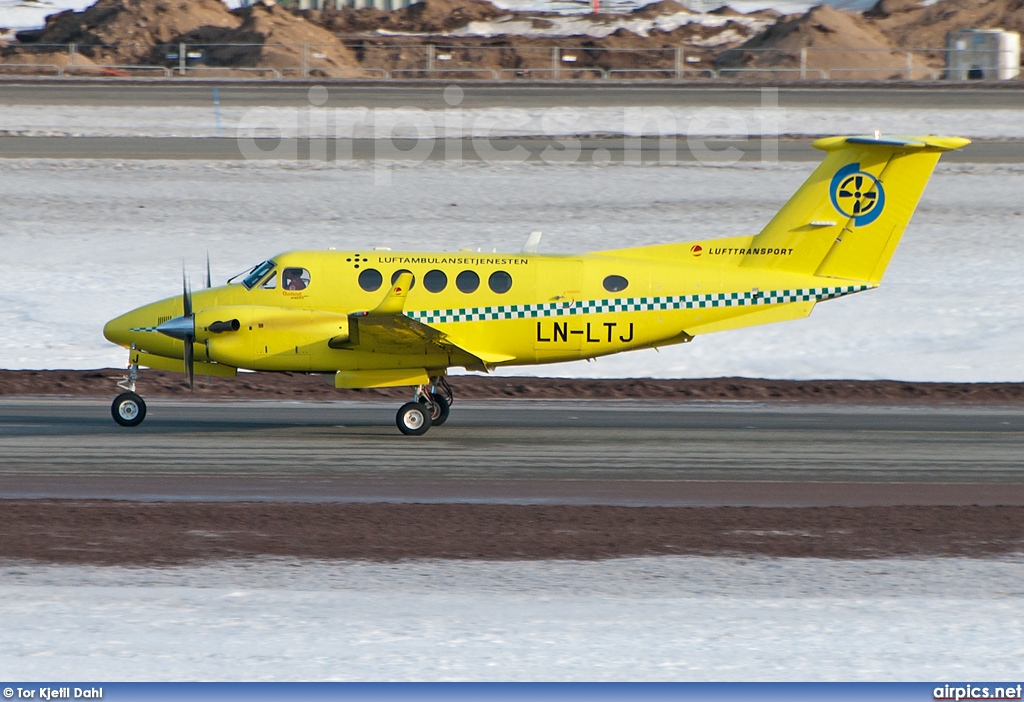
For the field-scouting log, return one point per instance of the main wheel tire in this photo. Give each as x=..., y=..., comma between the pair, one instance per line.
x=439, y=410
x=128, y=409
x=413, y=419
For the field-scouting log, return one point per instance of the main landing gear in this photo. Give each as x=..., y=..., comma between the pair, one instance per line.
x=428, y=408
x=128, y=409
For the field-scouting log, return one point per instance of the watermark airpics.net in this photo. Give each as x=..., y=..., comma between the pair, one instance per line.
x=637, y=135
x=968, y=692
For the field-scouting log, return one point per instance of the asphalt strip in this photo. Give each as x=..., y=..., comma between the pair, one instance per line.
x=592, y=149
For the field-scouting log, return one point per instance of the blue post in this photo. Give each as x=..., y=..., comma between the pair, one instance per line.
x=216, y=108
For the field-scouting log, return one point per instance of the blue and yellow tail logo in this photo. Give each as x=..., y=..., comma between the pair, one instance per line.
x=857, y=194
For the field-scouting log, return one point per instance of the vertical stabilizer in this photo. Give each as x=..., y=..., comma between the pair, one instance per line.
x=846, y=220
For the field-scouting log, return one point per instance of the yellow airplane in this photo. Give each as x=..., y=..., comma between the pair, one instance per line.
x=377, y=318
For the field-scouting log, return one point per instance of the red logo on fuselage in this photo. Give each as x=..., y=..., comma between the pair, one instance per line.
x=696, y=250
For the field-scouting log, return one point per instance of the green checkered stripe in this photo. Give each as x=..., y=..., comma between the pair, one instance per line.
x=633, y=304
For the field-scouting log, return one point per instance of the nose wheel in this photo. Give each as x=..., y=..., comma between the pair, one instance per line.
x=128, y=409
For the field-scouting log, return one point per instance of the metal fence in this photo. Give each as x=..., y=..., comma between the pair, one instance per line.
x=373, y=58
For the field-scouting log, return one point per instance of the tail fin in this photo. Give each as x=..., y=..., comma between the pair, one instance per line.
x=847, y=219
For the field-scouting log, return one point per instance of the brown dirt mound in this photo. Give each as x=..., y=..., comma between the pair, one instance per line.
x=134, y=26
x=275, y=37
x=172, y=533
x=845, y=45
x=41, y=56
x=143, y=31
x=100, y=383
x=725, y=11
x=884, y=8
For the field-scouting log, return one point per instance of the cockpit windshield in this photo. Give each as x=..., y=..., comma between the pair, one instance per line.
x=257, y=274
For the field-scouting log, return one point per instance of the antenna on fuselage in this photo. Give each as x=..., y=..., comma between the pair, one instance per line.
x=532, y=242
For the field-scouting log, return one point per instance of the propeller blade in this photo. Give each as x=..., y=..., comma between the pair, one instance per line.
x=209, y=278
x=190, y=367
x=186, y=296
x=188, y=330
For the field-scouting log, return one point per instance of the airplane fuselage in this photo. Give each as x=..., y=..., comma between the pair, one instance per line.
x=504, y=309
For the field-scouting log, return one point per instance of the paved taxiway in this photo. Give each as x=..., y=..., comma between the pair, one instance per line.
x=87, y=93
x=529, y=452
x=614, y=150
x=429, y=94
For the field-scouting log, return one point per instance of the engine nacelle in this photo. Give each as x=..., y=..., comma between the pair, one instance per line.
x=277, y=338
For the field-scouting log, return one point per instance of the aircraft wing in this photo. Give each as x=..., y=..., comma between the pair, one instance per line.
x=387, y=329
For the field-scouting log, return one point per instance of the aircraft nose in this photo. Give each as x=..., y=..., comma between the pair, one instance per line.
x=117, y=330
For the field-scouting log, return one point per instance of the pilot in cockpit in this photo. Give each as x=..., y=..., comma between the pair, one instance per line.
x=294, y=279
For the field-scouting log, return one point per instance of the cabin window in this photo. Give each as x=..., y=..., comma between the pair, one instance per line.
x=500, y=282
x=435, y=281
x=257, y=274
x=370, y=280
x=394, y=278
x=294, y=279
x=615, y=283
x=270, y=283
x=467, y=281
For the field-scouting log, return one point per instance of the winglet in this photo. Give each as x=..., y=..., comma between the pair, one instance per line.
x=394, y=301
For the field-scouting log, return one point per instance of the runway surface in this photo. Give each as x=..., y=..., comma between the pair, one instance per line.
x=518, y=452
x=429, y=95
x=613, y=150
x=235, y=95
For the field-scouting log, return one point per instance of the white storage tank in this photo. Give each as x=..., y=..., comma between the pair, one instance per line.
x=982, y=54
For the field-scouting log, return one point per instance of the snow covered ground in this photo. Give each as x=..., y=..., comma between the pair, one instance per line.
x=49, y=120
x=26, y=14
x=666, y=618
x=83, y=241
x=604, y=24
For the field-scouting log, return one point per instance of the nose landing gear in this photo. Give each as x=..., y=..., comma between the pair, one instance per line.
x=128, y=408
